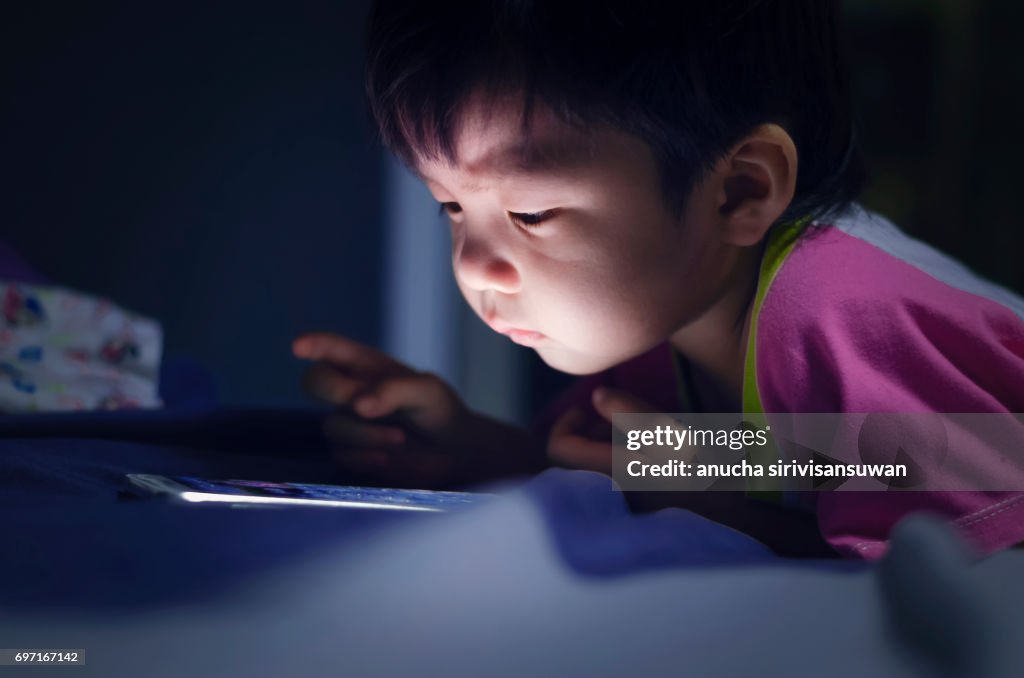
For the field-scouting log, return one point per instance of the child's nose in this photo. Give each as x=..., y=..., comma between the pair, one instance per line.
x=480, y=268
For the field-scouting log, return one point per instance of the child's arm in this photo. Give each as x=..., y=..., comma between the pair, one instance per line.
x=404, y=426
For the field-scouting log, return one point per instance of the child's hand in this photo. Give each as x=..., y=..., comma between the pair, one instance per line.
x=392, y=420
x=574, y=445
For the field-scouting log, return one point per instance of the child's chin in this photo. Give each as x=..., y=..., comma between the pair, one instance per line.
x=573, y=363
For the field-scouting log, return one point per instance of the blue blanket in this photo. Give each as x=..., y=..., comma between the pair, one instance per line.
x=553, y=577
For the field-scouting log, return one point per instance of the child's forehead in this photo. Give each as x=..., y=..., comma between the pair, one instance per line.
x=491, y=141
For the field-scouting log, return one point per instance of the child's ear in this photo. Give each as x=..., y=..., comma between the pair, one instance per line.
x=754, y=184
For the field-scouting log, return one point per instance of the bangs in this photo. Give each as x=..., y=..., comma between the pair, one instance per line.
x=419, y=82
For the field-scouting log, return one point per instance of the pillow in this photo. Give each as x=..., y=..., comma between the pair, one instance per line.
x=65, y=350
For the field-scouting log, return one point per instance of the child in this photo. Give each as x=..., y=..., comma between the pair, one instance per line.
x=630, y=183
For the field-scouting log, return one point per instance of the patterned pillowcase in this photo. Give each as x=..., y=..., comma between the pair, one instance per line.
x=65, y=350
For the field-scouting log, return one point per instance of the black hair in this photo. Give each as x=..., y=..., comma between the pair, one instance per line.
x=691, y=78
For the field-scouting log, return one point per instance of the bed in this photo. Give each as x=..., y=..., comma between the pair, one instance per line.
x=553, y=577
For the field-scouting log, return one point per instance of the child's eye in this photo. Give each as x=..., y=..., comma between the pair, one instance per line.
x=529, y=220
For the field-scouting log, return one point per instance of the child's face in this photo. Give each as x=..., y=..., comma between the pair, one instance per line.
x=606, y=272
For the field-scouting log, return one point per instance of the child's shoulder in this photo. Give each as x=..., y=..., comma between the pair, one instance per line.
x=879, y=320
x=859, y=261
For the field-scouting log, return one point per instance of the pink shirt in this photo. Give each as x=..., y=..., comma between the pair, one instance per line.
x=855, y=316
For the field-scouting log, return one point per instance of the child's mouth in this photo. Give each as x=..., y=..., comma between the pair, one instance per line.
x=516, y=334
x=525, y=337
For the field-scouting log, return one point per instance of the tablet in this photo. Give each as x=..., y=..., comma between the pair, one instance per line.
x=258, y=492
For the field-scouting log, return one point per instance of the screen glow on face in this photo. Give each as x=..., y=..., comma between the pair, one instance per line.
x=568, y=246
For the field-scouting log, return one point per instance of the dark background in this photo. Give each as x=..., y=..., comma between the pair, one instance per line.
x=206, y=164
x=939, y=88
x=213, y=166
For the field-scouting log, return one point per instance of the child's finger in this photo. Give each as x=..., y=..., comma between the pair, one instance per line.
x=346, y=430
x=425, y=396
x=570, y=422
x=328, y=383
x=569, y=447
x=344, y=352
x=609, y=401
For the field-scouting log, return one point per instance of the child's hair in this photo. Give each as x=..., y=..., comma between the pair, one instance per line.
x=689, y=77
